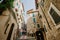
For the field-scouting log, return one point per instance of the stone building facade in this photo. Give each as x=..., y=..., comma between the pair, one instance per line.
x=49, y=11
x=19, y=11
x=8, y=25
x=31, y=26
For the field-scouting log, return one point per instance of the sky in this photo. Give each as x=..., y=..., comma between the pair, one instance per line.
x=28, y=4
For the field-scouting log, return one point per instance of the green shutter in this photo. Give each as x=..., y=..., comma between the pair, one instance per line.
x=34, y=20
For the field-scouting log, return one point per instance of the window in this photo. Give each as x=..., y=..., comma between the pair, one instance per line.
x=18, y=18
x=33, y=15
x=38, y=25
x=36, y=1
x=40, y=16
x=42, y=2
x=21, y=17
x=10, y=32
x=55, y=16
x=17, y=4
x=16, y=9
x=37, y=6
x=34, y=20
x=17, y=14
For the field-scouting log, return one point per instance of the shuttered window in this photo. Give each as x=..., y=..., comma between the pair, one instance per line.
x=34, y=20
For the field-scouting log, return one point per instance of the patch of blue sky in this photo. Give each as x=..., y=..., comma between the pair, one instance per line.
x=28, y=4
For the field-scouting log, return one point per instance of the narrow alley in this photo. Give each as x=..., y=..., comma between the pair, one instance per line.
x=29, y=19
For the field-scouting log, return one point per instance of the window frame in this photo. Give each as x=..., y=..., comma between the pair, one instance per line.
x=56, y=10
